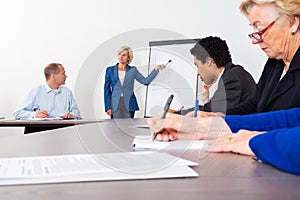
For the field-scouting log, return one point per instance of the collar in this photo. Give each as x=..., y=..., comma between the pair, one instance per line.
x=48, y=89
x=128, y=67
x=215, y=86
x=228, y=65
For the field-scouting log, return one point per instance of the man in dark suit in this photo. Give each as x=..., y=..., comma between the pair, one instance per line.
x=227, y=84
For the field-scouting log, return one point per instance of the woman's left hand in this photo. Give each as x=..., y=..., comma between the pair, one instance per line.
x=236, y=143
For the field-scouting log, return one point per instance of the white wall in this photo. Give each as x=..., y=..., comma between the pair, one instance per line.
x=37, y=32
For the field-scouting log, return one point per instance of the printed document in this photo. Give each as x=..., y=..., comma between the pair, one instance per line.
x=89, y=167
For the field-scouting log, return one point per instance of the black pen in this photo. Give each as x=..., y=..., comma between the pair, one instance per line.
x=166, y=108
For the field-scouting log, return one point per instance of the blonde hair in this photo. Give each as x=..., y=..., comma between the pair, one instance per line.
x=289, y=8
x=129, y=50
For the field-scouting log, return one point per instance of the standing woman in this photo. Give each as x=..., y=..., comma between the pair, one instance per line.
x=119, y=98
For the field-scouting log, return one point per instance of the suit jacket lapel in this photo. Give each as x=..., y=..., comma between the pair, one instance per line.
x=126, y=74
x=287, y=81
x=115, y=71
x=116, y=74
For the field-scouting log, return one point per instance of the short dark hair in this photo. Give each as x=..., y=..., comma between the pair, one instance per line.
x=52, y=68
x=214, y=48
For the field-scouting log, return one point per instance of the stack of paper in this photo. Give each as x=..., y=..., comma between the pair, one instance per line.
x=146, y=143
x=85, y=167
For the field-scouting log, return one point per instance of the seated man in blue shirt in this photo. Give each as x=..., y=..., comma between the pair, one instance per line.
x=50, y=100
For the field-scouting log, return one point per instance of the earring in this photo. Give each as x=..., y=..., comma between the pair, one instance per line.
x=292, y=32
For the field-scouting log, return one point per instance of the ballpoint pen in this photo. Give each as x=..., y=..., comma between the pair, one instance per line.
x=166, y=108
x=196, y=107
x=196, y=101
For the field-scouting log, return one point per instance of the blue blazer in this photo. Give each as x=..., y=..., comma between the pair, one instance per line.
x=279, y=146
x=113, y=88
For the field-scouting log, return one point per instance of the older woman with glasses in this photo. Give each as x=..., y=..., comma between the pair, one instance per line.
x=273, y=137
x=276, y=26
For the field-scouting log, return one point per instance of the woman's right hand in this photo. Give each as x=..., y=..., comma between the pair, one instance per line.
x=109, y=112
x=178, y=127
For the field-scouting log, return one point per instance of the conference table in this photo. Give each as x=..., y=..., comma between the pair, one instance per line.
x=221, y=175
x=32, y=126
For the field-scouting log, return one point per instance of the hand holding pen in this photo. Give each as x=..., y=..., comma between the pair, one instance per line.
x=166, y=108
x=160, y=67
x=176, y=111
x=41, y=114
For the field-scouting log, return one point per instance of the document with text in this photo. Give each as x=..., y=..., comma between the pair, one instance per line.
x=93, y=167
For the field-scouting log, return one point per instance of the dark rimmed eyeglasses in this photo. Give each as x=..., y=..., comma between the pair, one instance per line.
x=258, y=35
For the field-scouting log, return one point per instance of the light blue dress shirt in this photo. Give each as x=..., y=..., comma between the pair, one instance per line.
x=56, y=102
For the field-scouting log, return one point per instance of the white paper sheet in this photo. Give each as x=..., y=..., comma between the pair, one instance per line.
x=110, y=166
x=44, y=119
x=146, y=143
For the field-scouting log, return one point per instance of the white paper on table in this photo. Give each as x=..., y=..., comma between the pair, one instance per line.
x=146, y=143
x=85, y=167
x=44, y=119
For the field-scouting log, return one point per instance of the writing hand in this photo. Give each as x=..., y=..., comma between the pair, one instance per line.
x=175, y=127
x=177, y=111
x=204, y=114
x=41, y=114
